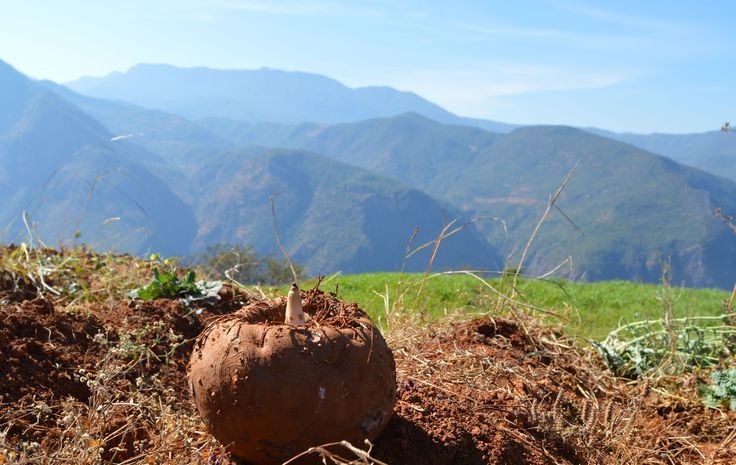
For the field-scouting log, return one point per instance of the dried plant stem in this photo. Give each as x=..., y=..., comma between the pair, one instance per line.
x=550, y=204
x=278, y=240
x=446, y=232
x=364, y=457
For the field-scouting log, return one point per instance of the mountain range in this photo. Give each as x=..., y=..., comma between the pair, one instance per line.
x=178, y=159
x=75, y=176
x=712, y=151
x=64, y=170
x=630, y=210
x=264, y=95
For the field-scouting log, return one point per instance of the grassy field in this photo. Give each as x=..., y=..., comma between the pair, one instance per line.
x=589, y=310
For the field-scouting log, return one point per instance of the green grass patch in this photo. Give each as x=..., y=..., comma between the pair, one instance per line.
x=591, y=310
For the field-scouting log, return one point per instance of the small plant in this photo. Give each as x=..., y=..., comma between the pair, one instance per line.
x=146, y=344
x=167, y=284
x=678, y=345
x=722, y=391
x=668, y=345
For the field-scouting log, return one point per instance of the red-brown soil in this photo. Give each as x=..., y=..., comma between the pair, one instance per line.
x=487, y=391
x=41, y=351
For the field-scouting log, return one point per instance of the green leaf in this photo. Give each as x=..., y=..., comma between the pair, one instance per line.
x=166, y=284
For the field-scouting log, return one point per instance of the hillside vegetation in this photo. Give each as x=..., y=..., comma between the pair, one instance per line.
x=63, y=169
x=369, y=221
x=119, y=176
x=713, y=151
x=628, y=211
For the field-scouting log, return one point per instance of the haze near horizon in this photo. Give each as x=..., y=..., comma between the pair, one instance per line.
x=629, y=66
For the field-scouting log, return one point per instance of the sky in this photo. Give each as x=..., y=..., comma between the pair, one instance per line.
x=636, y=66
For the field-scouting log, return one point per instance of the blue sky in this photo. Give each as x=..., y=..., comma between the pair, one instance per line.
x=640, y=66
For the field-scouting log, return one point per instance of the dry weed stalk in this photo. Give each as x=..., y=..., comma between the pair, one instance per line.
x=599, y=432
x=278, y=240
x=329, y=454
x=551, y=203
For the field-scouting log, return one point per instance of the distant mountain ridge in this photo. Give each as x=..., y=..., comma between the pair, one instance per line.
x=175, y=140
x=60, y=166
x=712, y=151
x=350, y=193
x=289, y=98
x=264, y=95
x=74, y=177
x=163, y=133
x=411, y=147
x=633, y=210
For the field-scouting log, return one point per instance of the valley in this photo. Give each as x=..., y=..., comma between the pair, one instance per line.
x=356, y=185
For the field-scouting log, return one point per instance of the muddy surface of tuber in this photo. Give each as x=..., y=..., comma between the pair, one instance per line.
x=269, y=386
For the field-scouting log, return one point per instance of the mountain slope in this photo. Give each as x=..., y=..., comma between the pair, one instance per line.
x=175, y=140
x=60, y=166
x=634, y=209
x=625, y=212
x=264, y=95
x=332, y=216
x=167, y=135
x=373, y=218
x=419, y=151
x=713, y=151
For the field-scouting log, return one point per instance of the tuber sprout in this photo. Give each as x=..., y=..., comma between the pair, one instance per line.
x=294, y=311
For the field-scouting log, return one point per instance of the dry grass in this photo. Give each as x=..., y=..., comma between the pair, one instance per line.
x=571, y=404
x=71, y=276
x=117, y=425
x=544, y=392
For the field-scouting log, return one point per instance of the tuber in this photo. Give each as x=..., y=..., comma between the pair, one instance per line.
x=269, y=384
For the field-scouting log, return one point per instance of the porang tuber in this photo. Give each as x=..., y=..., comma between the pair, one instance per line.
x=269, y=384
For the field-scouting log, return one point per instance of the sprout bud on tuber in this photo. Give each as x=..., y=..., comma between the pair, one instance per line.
x=294, y=311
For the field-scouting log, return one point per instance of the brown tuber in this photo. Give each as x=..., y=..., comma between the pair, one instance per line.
x=269, y=385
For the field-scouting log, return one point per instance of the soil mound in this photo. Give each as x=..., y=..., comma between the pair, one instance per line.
x=492, y=391
x=105, y=382
x=467, y=396
x=50, y=357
